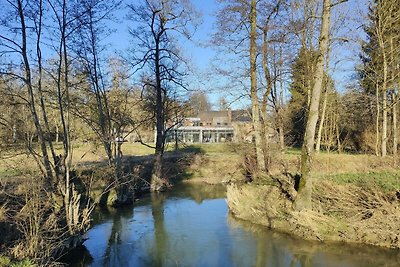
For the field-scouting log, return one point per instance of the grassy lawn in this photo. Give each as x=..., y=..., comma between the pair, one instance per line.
x=20, y=162
x=221, y=160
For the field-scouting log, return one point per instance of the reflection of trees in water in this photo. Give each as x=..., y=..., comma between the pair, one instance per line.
x=199, y=193
x=238, y=243
x=301, y=260
x=274, y=249
x=116, y=252
x=160, y=234
x=278, y=249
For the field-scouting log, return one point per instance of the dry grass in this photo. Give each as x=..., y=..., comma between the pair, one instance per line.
x=329, y=163
x=20, y=163
x=215, y=169
x=361, y=214
x=3, y=212
x=368, y=214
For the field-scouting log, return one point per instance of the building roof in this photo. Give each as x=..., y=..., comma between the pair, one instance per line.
x=241, y=115
x=209, y=115
x=227, y=116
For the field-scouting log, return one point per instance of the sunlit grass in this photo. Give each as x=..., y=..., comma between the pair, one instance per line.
x=388, y=181
x=223, y=159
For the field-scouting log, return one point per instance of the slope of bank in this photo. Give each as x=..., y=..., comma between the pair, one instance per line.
x=356, y=198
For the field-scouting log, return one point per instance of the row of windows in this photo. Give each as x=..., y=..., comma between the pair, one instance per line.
x=209, y=124
x=194, y=136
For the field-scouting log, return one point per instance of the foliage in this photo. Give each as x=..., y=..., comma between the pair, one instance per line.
x=4, y=261
x=300, y=91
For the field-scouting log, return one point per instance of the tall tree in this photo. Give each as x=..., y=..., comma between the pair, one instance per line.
x=255, y=109
x=156, y=52
x=303, y=199
x=380, y=60
x=26, y=28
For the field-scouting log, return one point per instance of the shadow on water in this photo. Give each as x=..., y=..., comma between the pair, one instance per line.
x=191, y=226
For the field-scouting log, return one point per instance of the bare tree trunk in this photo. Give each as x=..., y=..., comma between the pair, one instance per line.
x=57, y=133
x=394, y=100
x=394, y=121
x=32, y=105
x=377, y=118
x=158, y=181
x=265, y=135
x=267, y=75
x=384, y=109
x=253, y=90
x=380, y=35
x=101, y=99
x=38, y=29
x=281, y=127
x=326, y=85
x=303, y=199
x=339, y=145
x=322, y=120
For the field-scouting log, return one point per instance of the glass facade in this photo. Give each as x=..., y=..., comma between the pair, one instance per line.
x=201, y=134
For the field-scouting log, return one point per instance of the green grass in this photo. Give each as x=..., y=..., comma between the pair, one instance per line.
x=293, y=151
x=388, y=181
x=4, y=261
x=5, y=172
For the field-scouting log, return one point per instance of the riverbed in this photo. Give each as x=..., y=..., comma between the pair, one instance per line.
x=191, y=226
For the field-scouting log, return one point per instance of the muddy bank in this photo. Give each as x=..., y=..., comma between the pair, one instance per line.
x=341, y=213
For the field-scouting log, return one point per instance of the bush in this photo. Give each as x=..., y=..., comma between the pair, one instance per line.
x=4, y=261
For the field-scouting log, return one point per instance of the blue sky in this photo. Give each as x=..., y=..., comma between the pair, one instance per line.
x=343, y=59
x=197, y=49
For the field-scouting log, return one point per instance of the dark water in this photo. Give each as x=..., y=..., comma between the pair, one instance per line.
x=191, y=227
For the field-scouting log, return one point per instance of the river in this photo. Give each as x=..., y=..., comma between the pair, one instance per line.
x=191, y=226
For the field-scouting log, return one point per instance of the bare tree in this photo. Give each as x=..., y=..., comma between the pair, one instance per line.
x=26, y=34
x=157, y=55
x=303, y=199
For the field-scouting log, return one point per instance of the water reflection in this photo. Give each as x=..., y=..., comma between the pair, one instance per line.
x=191, y=227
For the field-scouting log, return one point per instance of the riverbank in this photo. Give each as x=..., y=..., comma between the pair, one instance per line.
x=356, y=199
x=18, y=174
x=191, y=226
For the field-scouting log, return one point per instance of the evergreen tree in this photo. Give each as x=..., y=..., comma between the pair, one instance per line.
x=300, y=89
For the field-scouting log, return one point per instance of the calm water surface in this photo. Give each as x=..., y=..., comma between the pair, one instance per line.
x=192, y=227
